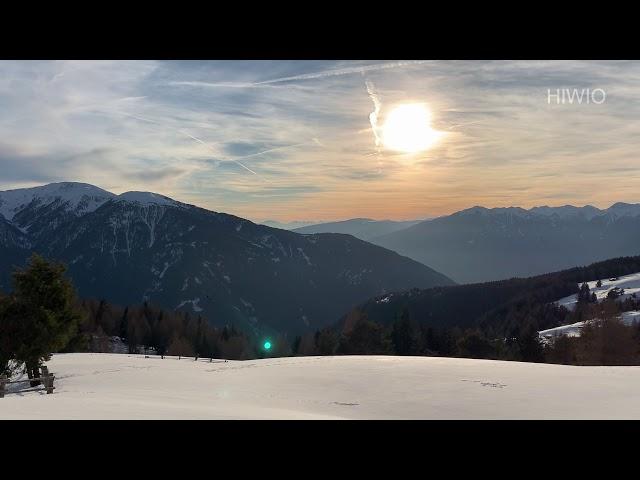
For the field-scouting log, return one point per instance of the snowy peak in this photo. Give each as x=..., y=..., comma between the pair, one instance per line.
x=78, y=198
x=146, y=199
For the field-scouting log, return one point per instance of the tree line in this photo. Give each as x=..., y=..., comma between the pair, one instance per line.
x=147, y=327
x=43, y=315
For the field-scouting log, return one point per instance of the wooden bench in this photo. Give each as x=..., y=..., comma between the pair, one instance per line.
x=46, y=379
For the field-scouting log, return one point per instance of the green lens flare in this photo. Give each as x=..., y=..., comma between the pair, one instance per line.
x=267, y=345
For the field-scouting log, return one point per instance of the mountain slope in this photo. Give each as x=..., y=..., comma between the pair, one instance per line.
x=480, y=244
x=142, y=246
x=362, y=228
x=497, y=306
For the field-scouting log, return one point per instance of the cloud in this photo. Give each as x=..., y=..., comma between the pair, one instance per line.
x=293, y=139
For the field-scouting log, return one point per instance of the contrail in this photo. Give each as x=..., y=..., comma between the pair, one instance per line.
x=342, y=71
x=226, y=159
x=276, y=149
x=373, y=116
x=306, y=76
x=231, y=85
x=190, y=136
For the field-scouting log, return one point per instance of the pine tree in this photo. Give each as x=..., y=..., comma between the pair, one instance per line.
x=326, y=342
x=404, y=336
x=365, y=338
x=45, y=302
x=530, y=346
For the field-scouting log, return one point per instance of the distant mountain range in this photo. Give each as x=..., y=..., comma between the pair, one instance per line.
x=362, y=228
x=143, y=246
x=287, y=225
x=481, y=244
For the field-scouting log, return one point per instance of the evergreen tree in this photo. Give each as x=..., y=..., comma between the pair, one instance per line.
x=365, y=338
x=404, y=336
x=326, y=342
x=45, y=303
x=584, y=295
x=530, y=346
x=473, y=344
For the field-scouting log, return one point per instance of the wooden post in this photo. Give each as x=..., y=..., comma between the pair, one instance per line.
x=47, y=380
x=3, y=381
x=48, y=383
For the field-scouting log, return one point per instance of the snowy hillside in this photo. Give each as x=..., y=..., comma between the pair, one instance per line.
x=630, y=284
x=573, y=330
x=110, y=386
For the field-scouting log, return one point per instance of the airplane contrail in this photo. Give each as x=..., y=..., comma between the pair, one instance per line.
x=231, y=85
x=226, y=159
x=305, y=76
x=276, y=149
x=373, y=116
x=342, y=71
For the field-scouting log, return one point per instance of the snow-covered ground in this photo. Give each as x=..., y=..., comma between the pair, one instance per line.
x=112, y=386
x=572, y=330
x=628, y=318
x=630, y=284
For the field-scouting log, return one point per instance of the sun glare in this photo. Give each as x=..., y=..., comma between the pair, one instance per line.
x=407, y=129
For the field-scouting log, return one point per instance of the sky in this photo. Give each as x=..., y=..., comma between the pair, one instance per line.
x=296, y=140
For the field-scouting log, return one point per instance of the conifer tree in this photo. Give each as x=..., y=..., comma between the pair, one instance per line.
x=403, y=335
x=46, y=312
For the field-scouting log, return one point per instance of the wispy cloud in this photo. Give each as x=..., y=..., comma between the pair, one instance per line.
x=288, y=140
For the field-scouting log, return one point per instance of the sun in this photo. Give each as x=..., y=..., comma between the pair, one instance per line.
x=407, y=128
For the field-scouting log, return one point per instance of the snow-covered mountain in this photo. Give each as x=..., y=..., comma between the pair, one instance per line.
x=362, y=228
x=71, y=197
x=142, y=246
x=481, y=244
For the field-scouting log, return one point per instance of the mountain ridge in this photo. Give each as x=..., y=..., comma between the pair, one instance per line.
x=142, y=246
x=481, y=244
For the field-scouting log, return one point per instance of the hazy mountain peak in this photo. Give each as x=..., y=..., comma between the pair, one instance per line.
x=624, y=209
x=479, y=210
x=564, y=211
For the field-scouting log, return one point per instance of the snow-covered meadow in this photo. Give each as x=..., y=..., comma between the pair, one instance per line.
x=630, y=284
x=573, y=330
x=113, y=386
